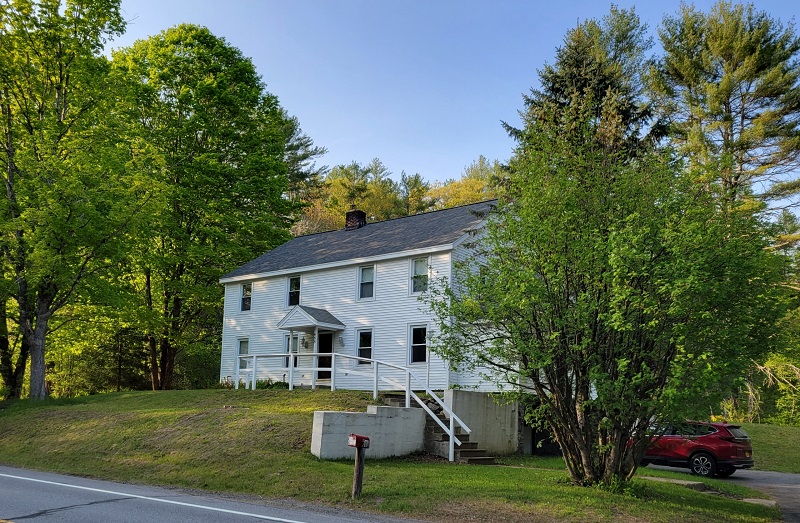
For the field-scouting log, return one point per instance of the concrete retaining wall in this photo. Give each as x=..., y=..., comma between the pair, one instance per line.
x=392, y=431
x=494, y=426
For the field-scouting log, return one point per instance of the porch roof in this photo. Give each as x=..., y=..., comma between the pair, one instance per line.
x=306, y=319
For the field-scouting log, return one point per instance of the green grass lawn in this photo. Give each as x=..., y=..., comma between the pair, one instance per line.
x=257, y=442
x=774, y=447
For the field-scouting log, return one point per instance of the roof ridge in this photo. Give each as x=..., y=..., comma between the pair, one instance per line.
x=403, y=217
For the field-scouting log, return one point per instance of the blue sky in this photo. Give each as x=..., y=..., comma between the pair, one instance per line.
x=422, y=85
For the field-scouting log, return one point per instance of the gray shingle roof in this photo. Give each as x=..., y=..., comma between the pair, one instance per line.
x=374, y=239
x=321, y=315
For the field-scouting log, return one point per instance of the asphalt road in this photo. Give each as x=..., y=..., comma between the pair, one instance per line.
x=782, y=487
x=37, y=496
x=43, y=497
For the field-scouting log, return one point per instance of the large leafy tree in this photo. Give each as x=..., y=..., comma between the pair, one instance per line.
x=69, y=195
x=368, y=187
x=728, y=85
x=414, y=193
x=218, y=148
x=605, y=275
x=475, y=185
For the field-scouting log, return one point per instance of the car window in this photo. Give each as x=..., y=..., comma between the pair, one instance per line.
x=705, y=430
x=738, y=433
x=682, y=429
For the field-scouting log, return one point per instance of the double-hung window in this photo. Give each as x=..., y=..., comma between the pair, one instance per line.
x=418, y=346
x=419, y=275
x=247, y=296
x=244, y=348
x=364, y=340
x=366, y=282
x=293, y=297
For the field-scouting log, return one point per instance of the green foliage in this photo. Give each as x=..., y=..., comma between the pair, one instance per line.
x=728, y=86
x=607, y=282
x=70, y=194
x=475, y=185
x=269, y=384
x=218, y=147
x=97, y=365
x=414, y=192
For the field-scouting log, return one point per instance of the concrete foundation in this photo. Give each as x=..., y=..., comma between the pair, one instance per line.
x=494, y=425
x=392, y=431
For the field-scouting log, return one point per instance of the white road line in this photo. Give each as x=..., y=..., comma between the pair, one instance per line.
x=171, y=502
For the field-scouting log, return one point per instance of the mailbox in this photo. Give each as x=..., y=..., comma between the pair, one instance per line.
x=359, y=442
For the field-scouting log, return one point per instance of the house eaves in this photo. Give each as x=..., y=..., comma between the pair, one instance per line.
x=344, y=263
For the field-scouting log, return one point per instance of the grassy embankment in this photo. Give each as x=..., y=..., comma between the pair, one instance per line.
x=257, y=442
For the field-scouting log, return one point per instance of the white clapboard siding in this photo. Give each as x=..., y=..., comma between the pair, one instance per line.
x=470, y=379
x=390, y=314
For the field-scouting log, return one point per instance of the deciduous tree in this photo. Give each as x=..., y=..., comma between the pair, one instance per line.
x=605, y=276
x=475, y=185
x=69, y=195
x=218, y=147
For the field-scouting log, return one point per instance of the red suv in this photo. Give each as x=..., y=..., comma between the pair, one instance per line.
x=707, y=449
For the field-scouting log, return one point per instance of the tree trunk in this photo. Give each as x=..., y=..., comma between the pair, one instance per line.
x=37, y=335
x=167, y=363
x=11, y=373
x=152, y=345
x=155, y=378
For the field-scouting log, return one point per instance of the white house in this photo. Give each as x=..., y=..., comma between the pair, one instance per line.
x=322, y=309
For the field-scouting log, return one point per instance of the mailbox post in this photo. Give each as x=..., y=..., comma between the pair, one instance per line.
x=361, y=443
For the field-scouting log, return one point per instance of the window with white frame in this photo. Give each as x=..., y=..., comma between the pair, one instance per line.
x=247, y=296
x=244, y=348
x=366, y=282
x=418, y=346
x=293, y=290
x=291, y=344
x=419, y=275
x=364, y=340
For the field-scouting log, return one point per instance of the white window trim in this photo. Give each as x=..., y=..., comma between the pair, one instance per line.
x=409, y=348
x=238, y=353
x=357, y=347
x=358, y=281
x=289, y=287
x=411, y=273
x=241, y=297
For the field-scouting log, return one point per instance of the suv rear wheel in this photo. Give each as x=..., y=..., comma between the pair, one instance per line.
x=703, y=464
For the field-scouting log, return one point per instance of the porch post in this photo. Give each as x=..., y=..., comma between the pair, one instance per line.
x=452, y=450
x=427, y=368
x=408, y=388
x=315, y=359
x=333, y=370
x=236, y=364
x=375, y=385
x=291, y=359
x=255, y=359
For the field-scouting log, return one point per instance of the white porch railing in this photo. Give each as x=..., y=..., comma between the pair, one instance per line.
x=411, y=381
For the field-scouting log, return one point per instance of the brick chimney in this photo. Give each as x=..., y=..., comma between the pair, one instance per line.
x=355, y=219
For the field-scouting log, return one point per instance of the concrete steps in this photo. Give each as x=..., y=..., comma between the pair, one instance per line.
x=437, y=442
